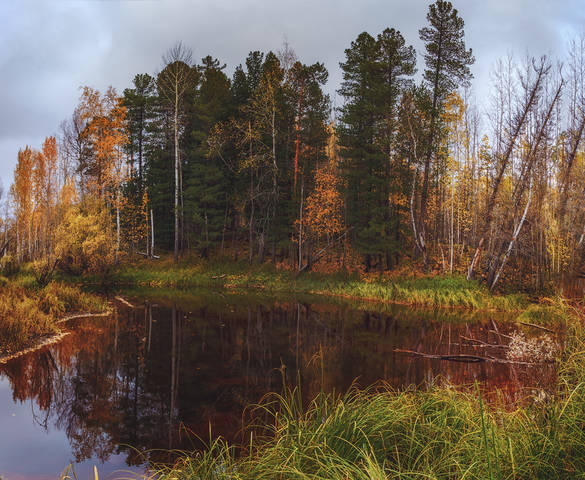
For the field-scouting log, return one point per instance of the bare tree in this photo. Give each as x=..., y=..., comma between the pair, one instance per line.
x=532, y=83
x=74, y=148
x=500, y=254
x=576, y=123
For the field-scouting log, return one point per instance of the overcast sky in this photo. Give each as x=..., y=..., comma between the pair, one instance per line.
x=48, y=49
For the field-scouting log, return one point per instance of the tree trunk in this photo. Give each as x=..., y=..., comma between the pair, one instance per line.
x=300, y=266
x=517, y=127
x=176, y=132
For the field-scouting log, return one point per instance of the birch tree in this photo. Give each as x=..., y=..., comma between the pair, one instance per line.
x=173, y=83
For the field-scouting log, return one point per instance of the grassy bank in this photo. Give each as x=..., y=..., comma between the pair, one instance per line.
x=435, y=291
x=436, y=434
x=28, y=313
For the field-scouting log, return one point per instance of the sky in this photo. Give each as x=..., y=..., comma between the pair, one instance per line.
x=48, y=49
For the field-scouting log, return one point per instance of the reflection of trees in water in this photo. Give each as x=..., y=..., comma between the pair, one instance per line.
x=141, y=376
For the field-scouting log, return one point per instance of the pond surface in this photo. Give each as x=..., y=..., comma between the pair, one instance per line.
x=119, y=392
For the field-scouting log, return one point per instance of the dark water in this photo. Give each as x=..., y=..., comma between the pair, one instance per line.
x=158, y=375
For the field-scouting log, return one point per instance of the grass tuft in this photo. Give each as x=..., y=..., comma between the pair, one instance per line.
x=28, y=313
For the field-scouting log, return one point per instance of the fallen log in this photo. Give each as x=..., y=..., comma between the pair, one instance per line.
x=44, y=342
x=51, y=339
x=83, y=315
x=123, y=301
x=482, y=343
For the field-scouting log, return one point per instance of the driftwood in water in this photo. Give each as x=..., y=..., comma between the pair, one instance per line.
x=481, y=343
x=462, y=358
x=43, y=342
x=83, y=315
x=47, y=340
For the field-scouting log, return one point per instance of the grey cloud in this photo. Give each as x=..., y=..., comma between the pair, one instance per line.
x=51, y=48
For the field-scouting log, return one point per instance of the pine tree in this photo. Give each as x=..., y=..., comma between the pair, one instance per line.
x=207, y=180
x=374, y=75
x=447, y=68
x=139, y=103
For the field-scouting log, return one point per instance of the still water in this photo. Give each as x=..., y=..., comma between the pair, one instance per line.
x=119, y=392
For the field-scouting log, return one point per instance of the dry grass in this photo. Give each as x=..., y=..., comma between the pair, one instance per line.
x=27, y=314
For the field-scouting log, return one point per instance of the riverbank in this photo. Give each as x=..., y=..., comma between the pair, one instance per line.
x=29, y=315
x=438, y=433
x=427, y=291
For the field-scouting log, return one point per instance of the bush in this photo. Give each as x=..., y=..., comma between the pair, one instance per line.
x=85, y=240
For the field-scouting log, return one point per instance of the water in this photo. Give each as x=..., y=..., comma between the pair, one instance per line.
x=121, y=391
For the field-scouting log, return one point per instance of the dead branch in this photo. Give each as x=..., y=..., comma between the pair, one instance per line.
x=464, y=358
x=537, y=326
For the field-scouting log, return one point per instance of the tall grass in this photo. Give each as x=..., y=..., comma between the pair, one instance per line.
x=387, y=434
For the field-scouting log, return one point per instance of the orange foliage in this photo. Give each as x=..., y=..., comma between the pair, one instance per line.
x=105, y=118
x=324, y=206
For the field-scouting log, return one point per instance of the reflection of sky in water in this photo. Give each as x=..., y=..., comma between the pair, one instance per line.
x=111, y=382
x=28, y=451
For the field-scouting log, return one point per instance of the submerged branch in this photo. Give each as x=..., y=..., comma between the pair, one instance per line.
x=464, y=358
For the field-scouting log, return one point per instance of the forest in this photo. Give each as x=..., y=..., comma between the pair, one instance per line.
x=405, y=174
x=222, y=272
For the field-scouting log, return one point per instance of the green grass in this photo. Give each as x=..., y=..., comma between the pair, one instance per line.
x=444, y=291
x=551, y=313
x=387, y=434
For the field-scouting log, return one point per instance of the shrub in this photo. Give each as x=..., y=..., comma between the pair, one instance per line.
x=85, y=240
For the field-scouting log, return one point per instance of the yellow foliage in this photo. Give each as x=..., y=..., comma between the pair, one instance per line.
x=85, y=240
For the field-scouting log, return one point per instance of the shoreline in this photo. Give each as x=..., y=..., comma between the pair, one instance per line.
x=431, y=291
x=49, y=339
